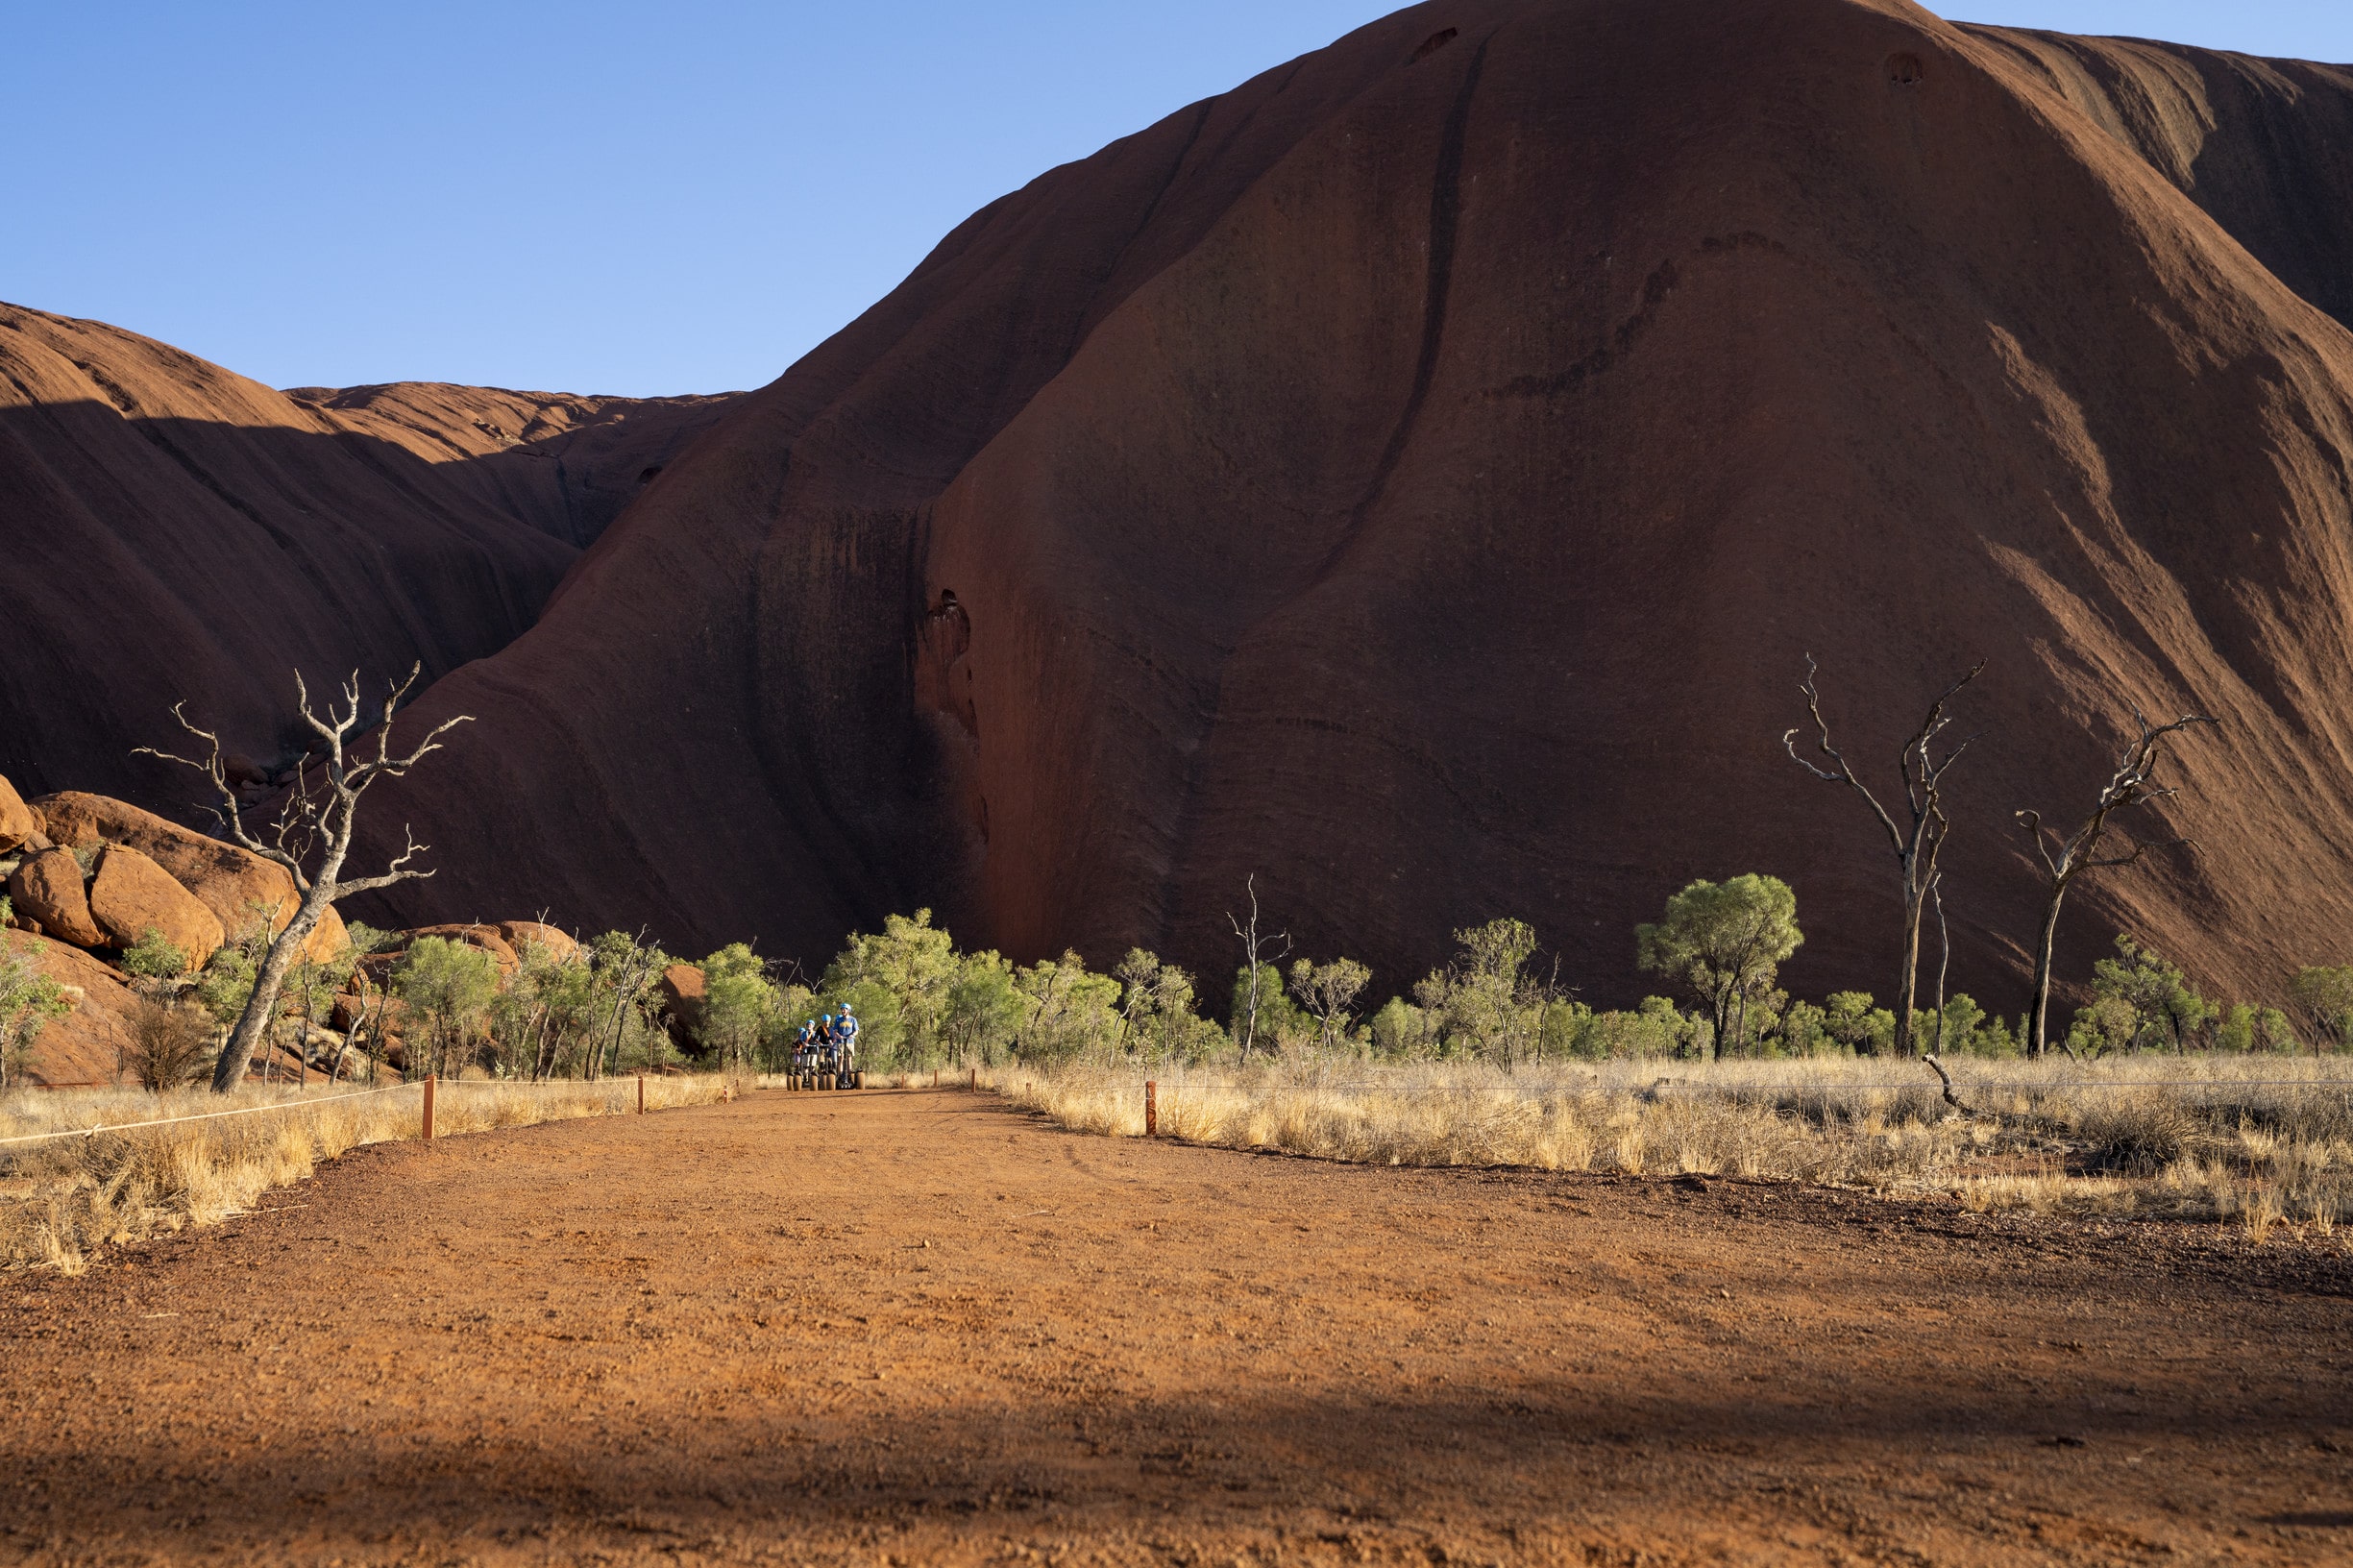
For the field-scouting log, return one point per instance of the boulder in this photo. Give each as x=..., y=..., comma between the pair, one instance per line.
x=384, y=1014
x=237, y=885
x=131, y=894
x=683, y=992
x=48, y=887
x=558, y=944
x=484, y=936
x=17, y=823
x=87, y=1044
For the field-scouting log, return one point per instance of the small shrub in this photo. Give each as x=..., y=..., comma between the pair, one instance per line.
x=168, y=1044
x=154, y=960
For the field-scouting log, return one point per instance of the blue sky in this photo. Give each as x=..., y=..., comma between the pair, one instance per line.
x=601, y=197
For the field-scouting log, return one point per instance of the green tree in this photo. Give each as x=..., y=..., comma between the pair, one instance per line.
x=1657, y=1027
x=2325, y=996
x=1400, y=1029
x=363, y=939
x=624, y=970
x=1156, y=1007
x=1326, y=992
x=983, y=1009
x=737, y=1003
x=1849, y=1018
x=307, y=1000
x=1278, y=1016
x=2250, y=1028
x=1068, y=1011
x=2165, y=1010
x=2109, y=1024
x=226, y=983
x=155, y=964
x=1478, y=1000
x=905, y=975
x=447, y=989
x=1725, y=941
x=545, y=1013
x=1804, y=1030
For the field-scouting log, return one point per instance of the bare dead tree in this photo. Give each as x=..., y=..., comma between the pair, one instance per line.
x=1917, y=843
x=2068, y=856
x=1252, y=945
x=314, y=825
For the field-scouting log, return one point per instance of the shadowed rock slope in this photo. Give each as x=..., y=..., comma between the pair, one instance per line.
x=175, y=530
x=1416, y=478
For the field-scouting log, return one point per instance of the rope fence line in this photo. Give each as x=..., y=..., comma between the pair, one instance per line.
x=428, y=1085
x=202, y=1115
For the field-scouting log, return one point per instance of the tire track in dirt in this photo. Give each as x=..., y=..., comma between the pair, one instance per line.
x=918, y=1327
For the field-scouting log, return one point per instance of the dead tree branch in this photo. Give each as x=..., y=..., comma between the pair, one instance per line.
x=2068, y=856
x=1252, y=943
x=312, y=837
x=1917, y=840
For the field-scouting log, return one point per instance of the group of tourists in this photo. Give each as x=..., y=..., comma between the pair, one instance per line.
x=825, y=1052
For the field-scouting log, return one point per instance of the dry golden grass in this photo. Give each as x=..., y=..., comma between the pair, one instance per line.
x=63, y=1198
x=2265, y=1140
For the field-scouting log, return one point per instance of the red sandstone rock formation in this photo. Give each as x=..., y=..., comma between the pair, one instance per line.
x=175, y=530
x=130, y=895
x=237, y=885
x=89, y=1043
x=49, y=887
x=1416, y=477
x=17, y=823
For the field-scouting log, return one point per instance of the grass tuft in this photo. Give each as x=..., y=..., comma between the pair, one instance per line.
x=2215, y=1138
x=63, y=1200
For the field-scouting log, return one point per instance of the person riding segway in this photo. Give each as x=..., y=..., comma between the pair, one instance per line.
x=804, y=1051
x=845, y=1032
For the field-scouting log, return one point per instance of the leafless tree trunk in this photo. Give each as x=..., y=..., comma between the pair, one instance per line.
x=635, y=970
x=1917, y=843
x=351, y=1037
x=2066, y=857
x=1252, y=942
x=310, y=823
x=1944, y=957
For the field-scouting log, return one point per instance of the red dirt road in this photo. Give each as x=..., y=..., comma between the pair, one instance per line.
x=921, y=1328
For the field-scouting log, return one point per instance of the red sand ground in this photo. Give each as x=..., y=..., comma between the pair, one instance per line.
x=919, y=1328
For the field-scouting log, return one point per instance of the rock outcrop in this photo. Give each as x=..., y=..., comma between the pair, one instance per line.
x=51, y=888
x=90, y=1042
x=237, y=885
x=177, y=531
x=17, y=823
x=559, y=946
x=684, y=992
x=1416, y=479
x=567, y=465
x=130, y=895
x=488, y=938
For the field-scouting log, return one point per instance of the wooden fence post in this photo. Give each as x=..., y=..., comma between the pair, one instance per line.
x=429, y=1107
x=1151, y=1109
x=641, y=1094
x=974, y=1085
